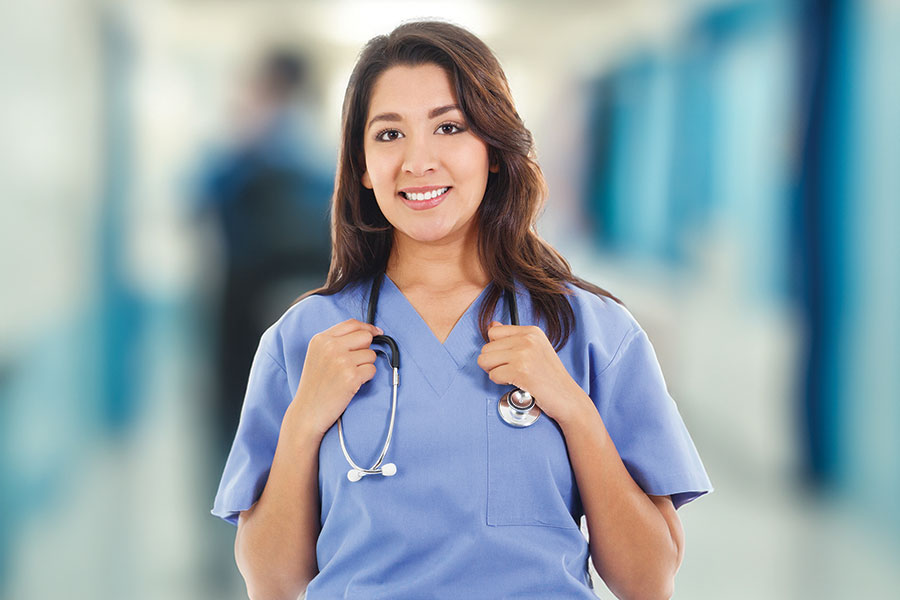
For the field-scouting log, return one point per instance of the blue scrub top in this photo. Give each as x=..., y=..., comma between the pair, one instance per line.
x=477, y=509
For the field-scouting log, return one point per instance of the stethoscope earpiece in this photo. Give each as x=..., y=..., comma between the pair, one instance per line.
x=387, y=470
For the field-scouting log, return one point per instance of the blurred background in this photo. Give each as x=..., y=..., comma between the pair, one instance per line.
x=727, y=168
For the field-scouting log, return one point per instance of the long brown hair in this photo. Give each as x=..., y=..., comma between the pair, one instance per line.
x=508, y=245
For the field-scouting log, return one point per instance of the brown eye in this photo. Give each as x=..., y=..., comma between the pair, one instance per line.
x=450, y=128
x=388, y=135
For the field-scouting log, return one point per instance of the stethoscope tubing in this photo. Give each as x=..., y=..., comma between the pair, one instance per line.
x=375, y=469
x=517, y=407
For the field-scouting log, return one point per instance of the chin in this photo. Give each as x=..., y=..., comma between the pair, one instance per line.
x=434, y=232
x=427, y=237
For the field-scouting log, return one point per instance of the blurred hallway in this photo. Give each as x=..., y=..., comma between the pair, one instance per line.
x=760, y=535
x=726, y=168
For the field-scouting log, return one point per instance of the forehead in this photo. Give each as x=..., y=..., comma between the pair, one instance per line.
x=409, y=90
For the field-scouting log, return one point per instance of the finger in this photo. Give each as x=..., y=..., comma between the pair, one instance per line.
x=344, y=327
x=356, y=340
x=502, y=375
x=363, y=357
x=501, y=345
x=360, y=375
x=350, y=325
x=492, y=360
x=366, y=372
x=498, y=331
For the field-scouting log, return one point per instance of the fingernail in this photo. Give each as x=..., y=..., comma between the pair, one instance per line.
x=379, y=330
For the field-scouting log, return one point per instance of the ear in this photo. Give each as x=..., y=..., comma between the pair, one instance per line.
x=493, y=162
x=366, y=180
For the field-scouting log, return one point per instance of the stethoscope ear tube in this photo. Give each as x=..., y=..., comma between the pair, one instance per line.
x=388, y=469
x=390, y=343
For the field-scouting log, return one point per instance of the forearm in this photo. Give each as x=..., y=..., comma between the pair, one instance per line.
x=275, y=548
x=630, y=543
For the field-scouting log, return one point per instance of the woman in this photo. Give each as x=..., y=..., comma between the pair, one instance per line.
x=433, y=233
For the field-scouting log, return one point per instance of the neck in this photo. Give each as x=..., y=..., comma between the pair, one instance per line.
x=436, y=267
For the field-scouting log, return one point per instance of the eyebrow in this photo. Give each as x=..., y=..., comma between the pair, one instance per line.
x=435, y=112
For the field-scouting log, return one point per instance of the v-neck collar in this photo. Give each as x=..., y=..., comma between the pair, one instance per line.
x=439, y=363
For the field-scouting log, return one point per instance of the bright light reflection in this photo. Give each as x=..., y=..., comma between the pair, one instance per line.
x=360, y=21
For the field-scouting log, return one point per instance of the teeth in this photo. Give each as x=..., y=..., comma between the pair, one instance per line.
x=427, y=195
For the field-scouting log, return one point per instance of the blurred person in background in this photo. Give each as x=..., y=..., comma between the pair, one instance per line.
x=269, y=197
x=435, y=207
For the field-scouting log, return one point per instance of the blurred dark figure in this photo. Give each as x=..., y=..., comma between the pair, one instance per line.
x=270, y=202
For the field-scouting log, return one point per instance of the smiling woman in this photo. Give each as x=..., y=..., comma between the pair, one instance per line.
x=432, y=226
x=428, y=148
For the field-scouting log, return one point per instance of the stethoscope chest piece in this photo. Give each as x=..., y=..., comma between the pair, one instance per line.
x=518, y=408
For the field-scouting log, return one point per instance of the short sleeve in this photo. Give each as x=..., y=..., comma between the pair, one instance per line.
x=645, y=425
x=247, y=468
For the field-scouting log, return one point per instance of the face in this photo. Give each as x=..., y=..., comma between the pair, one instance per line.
x=427, y=169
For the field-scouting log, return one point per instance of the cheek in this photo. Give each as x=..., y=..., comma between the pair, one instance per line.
x=383, y=168
x=476, y=171
x=476, y=161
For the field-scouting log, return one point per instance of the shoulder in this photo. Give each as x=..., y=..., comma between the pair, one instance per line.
x=299, y=323
x=602, y=327
x=600, y=315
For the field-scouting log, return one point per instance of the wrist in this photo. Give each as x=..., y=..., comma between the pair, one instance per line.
x=298, y=427
x=580, y=411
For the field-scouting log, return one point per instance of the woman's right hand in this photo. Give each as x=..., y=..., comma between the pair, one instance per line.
x=338, y=361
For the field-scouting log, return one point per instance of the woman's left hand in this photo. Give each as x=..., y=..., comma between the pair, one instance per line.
x=522, y=356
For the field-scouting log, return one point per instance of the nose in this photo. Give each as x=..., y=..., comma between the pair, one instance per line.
x=420, y=156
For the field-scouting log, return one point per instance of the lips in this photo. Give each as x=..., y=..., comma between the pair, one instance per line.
x=423, y=193
x=430, y=198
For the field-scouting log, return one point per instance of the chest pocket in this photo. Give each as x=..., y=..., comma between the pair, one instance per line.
x=530, y=479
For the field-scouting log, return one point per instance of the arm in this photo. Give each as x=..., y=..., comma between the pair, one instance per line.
x=636, y=540
x=275, y=545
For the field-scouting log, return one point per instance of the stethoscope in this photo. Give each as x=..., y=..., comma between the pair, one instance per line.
x=516, y=407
